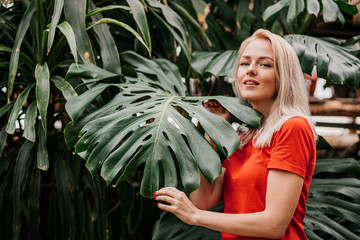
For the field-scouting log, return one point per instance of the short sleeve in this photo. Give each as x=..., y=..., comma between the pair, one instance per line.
x=292, y=147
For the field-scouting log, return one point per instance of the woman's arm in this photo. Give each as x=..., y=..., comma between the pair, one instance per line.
x=208, y=195
x=283, y=192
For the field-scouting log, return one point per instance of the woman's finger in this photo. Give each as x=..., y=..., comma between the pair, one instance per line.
x=165, y=198
x=170, y=191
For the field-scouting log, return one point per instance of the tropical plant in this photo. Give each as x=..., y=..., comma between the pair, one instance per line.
x=42, y=182
x=150, y=122
x=98, y=66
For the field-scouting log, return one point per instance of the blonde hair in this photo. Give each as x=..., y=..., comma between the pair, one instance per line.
x=291, y=98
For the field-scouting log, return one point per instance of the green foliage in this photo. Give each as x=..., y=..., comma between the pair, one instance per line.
x=39, y=41
x=333, y=62
x=148, y=122
x=170, y=227
x=334, y=196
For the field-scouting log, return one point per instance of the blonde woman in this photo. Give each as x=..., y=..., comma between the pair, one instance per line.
x=264, y=184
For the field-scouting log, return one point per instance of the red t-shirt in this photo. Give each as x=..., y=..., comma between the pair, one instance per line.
x=292, y=149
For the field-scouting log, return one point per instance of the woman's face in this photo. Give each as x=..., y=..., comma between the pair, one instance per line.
x=256, y=75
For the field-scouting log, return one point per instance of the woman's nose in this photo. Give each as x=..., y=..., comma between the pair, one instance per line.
x=251, y=69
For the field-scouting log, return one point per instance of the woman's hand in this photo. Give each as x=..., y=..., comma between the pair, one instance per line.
x=218, y=109
x=179, y=204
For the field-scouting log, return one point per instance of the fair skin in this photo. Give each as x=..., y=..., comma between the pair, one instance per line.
x=256, y=76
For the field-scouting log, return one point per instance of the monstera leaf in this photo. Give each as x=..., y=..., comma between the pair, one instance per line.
x=333, y=62
x=333, y=205
x=215, y=63
x=150, y=122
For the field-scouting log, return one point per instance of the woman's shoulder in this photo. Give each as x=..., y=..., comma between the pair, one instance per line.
x=296, y=124
x=296, y=121
x=294, y=130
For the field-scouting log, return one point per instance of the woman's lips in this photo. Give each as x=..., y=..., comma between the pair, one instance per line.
x=250, y=82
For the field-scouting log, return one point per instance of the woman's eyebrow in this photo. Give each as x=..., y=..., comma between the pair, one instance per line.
x=261, y=57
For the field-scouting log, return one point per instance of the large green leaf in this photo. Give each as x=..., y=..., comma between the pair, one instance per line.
x=29, y=122
x=65, y=87
x=170, y=227
x=172, y=18
x=34, y=204
x=215, y=63
x=166, y=72
x=90, y=73
x=338, y=166
x=58, y=7
x=20, y=34
x=295, y=8
x=75, y=14
x=151, y=130
x=333, y=62
x=272, y=11
x=186, y=15
x=68, y=32
x=313, y=7
x=3, y=136
x=19, y=103
x=23, y=57
x=139, y=15
x=174, y=24
x=42, y=153
x=346, y=186
x=121, y=24
x=6, y=108
x=346, y=7
x=65, y=203
x=330, y=10
x=108, y=49
x=335, y=207
x=332, y=207
x=322, y=223
x=42, y=91
x=106, y=8
x=19, y=178
x=145, y=123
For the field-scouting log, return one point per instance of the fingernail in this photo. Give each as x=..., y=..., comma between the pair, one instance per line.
x=155, y=197
x=154, y=193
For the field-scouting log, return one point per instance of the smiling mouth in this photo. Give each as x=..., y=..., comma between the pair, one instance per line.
x=250, y=82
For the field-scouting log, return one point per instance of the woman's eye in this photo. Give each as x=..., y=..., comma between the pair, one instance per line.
x=266, y=65
x=244, y=64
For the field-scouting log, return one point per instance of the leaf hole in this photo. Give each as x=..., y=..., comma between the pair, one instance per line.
x=136, y=152
x=141, y=99
x=165, y=135
x=151, y=120
x=126, y=137
x=147, y=137
x=225, y=151
x=142, y=91
x=191, y=101
x=186, y=142
x=173, y=155
x=119, y=108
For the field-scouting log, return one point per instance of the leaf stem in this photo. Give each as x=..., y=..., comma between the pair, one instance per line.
x=305, y=24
